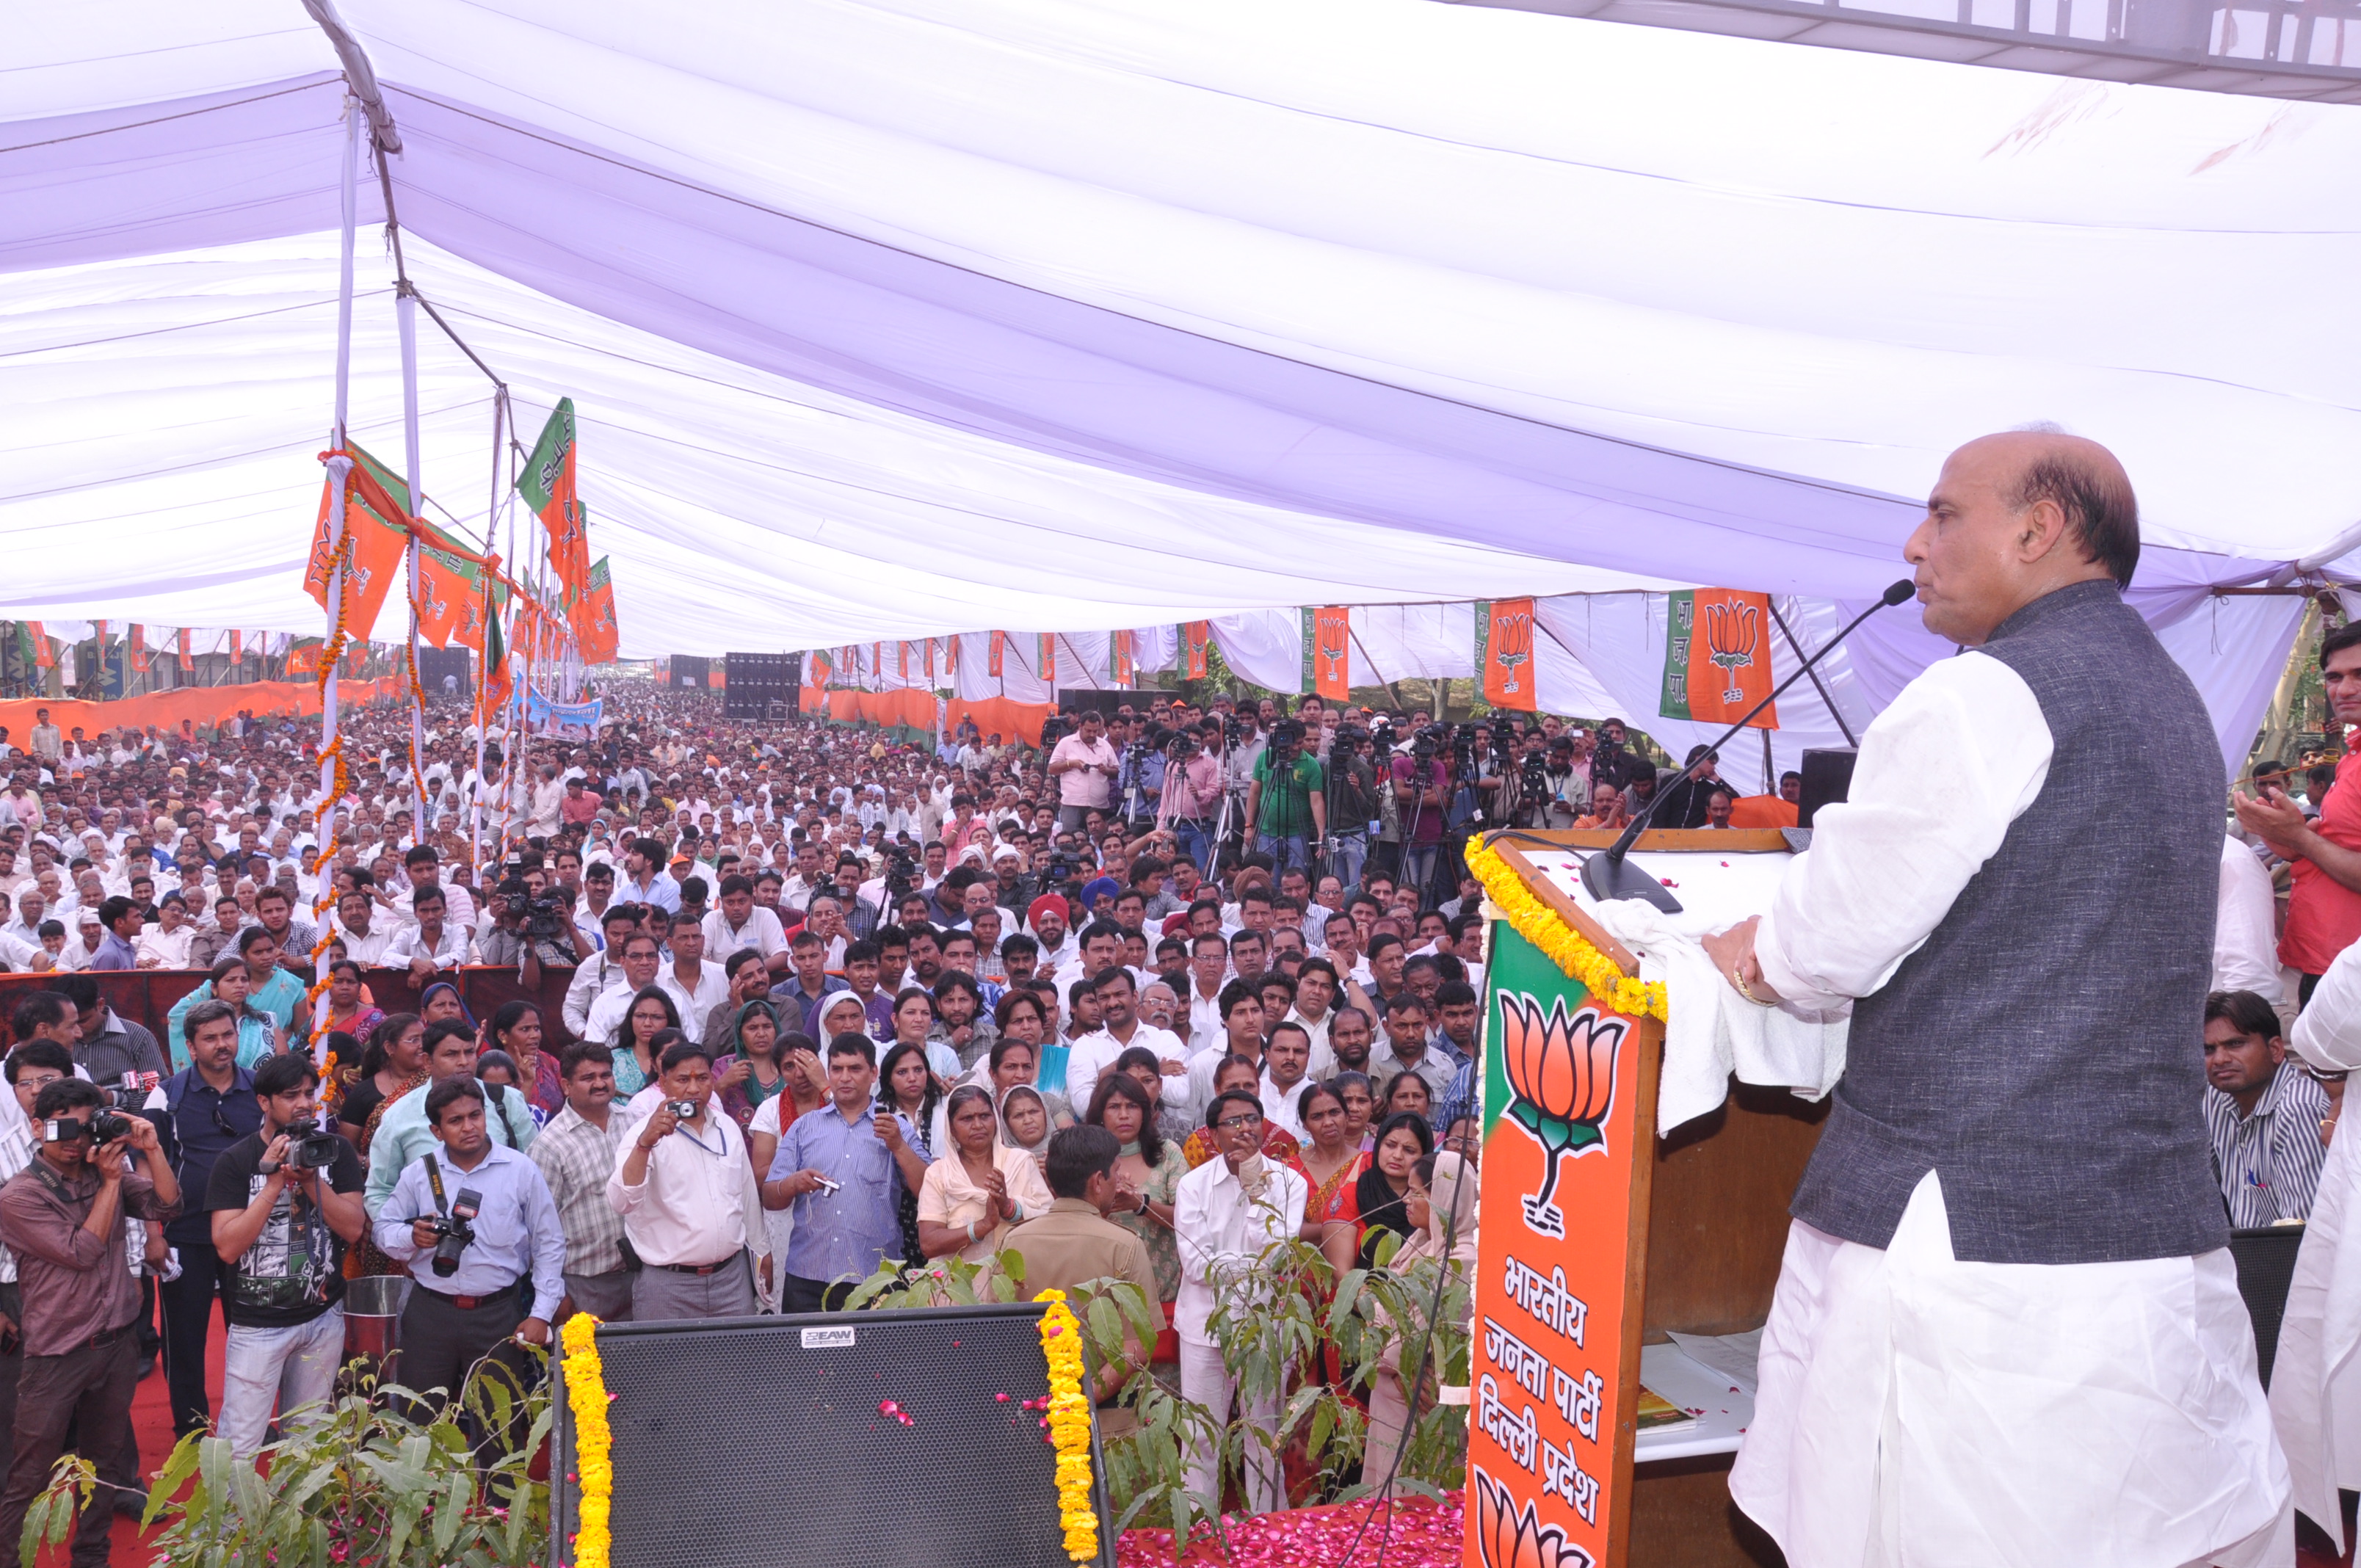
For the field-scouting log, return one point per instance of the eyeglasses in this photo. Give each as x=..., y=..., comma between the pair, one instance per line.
x=1238, y=1123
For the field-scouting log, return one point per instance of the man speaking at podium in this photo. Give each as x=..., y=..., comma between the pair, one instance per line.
x=2008, y=1329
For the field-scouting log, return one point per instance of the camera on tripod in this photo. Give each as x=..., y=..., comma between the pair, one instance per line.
x=310, y=1147
x=1238, y=729
x=1054, y=728
x=456, y=1231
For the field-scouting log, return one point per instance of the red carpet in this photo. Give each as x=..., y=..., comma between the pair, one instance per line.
x=151, y=1418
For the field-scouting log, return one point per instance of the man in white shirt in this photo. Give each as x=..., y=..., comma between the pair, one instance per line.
x=1226, y=1214
x=2019, y=1035
x=697, y=984
x=1209, y=967
x=2245, y=936
x=1084, y=765
x=1120, y=1028
x=737, y=921
x=690, y=1202
x=364, y=944
x=431, y=943
x=1285, y=1056
x=643, y=958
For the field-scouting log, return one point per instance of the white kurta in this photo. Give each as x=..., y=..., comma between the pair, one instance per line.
x=2316, y=1377
x=1921, y=1410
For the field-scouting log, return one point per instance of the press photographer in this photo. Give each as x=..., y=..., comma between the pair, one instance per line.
x=63, y=1216
x=281, y=1231
x=530, y=930
x=477, y=1227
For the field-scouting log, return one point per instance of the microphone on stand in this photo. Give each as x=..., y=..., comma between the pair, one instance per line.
x=1609, y=876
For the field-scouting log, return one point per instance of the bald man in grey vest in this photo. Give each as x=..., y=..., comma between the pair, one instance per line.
x=2008, y=1329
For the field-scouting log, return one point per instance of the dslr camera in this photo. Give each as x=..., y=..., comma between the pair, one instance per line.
x=103, y=1126
x=455, y=1233
x=308, y=1147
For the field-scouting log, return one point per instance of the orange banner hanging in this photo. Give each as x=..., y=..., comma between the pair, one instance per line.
x=236, y=647
x=188, y=660
x=1048, y=663
x=138, y=647
x=1504, y=653
x=1121, y=662
x=1327, y=652
x=43, y=659
x=902, y=654
x=1718, y=657
x=930, y=661
x=601, y=635
x=999, y=650
x=1196, y=636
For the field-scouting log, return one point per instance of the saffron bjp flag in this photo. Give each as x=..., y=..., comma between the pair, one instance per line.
x=303, y=656
x=547, y=484
x=1504, y=654
x=902, y=666
x=1717, y=657
x=44, y=657
x=138, y=647
x=188, y=659
x=599, y=632
x=1048, y=665
x=930, y=661
x=376, y=541
x=992, y=665
x=1196, y=636
x=450, y=583
x=1327, y=652
x=236, y=647
x=1121, y=665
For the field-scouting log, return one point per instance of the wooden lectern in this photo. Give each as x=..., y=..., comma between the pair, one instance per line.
x=1597, y=1240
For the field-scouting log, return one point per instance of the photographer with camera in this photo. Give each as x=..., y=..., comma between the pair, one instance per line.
x=281, y=1232
x=476, y=1224
x=1287, y=802
x=63, y=1216
x=1191, y=808
x=1420, y=785
x=1139, y=779
x=690, y=1203
x=405, y=1127
x=1085, y=765
x=531, y=930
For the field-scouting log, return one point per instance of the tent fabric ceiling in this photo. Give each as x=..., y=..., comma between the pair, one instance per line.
x=888, y=317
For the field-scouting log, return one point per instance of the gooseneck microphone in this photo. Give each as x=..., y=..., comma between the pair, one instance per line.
x=1609, y=874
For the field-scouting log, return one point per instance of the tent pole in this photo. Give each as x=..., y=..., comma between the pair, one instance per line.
x=339, y=469
x=405, y=306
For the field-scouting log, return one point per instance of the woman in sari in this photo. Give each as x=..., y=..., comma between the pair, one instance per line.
x=1238, y=1072
x=1330, y=1165
x=1148, y=1172
x=349, y=1009
x=906, y=1085
x=1378, y=1205
x=752, y=1073
x=397, y=1049
x=516, y=1030
x=1025, y=1123
x=651, y=1014
x=1441, y=1206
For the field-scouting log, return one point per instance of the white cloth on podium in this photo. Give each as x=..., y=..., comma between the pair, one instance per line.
x=1712, y=1030
x=1914, y=1409
x=2316, y=1376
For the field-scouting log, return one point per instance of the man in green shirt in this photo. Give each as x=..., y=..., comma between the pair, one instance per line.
x=1286, y=800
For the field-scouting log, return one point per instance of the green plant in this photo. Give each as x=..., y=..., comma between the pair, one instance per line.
x=357, y=1487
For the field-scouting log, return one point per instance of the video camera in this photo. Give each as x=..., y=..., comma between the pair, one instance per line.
x=310, y=1147
x=103, y=1126
x=1054, y=728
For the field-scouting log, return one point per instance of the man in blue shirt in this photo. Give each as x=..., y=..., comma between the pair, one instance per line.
x=508, y=1280
x=844, y=1168
x=205, y=1107
x=116, y=950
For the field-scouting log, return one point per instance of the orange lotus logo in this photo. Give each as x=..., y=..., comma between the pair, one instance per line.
x=1510, y=1537
x=1730, y=633
x=1563, y=1071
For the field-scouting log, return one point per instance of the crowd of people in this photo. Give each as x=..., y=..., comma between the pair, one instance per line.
x=797, y=1003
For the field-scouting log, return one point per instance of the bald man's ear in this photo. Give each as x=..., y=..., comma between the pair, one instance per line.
x=2040, y=528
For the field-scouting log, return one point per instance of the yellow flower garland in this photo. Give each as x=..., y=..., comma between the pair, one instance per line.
x=1539, y=924
x=586, y=1391
x=1070, y=1427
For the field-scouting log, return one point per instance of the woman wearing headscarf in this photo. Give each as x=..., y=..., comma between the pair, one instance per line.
x=752, y=1072
x=1025, y=1123
x=1442, y=1206
x=979, y=1187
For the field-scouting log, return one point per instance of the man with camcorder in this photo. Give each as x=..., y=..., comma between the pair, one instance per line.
x=63, y=1216
x=477, y=1224
x=280, y=1230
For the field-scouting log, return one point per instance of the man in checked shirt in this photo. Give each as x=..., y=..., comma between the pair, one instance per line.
x=577, y=1153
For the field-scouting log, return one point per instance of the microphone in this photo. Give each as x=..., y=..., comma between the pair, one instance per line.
x=1609, y=876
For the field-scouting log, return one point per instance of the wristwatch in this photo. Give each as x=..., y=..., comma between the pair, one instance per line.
x=1143, y=1204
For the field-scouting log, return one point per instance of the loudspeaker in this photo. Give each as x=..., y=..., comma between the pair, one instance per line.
x=688, y=673
x=1084, y=699
x=1828, y=777
x=763, y=1443
x=761, y=685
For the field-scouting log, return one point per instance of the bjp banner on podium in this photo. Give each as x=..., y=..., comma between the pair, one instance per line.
x=1718, y=657
x=1567, y=1121
x=1504, y=654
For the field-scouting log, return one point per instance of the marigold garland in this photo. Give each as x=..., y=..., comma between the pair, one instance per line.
x=1539, y=924
x=1069, y=1426
x=586, y=1392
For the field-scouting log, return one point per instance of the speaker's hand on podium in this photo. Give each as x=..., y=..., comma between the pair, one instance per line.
x=1732, y=952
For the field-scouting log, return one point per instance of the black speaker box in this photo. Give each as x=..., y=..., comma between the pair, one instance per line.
x=1828, y=777
x=760, y=1442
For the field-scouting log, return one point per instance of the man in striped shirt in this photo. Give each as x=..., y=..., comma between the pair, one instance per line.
x=2267, y=1119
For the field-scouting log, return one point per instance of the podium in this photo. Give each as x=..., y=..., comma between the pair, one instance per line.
x=1597, y=1240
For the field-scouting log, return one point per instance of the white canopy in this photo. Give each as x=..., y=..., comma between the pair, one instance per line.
x=892, y=318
